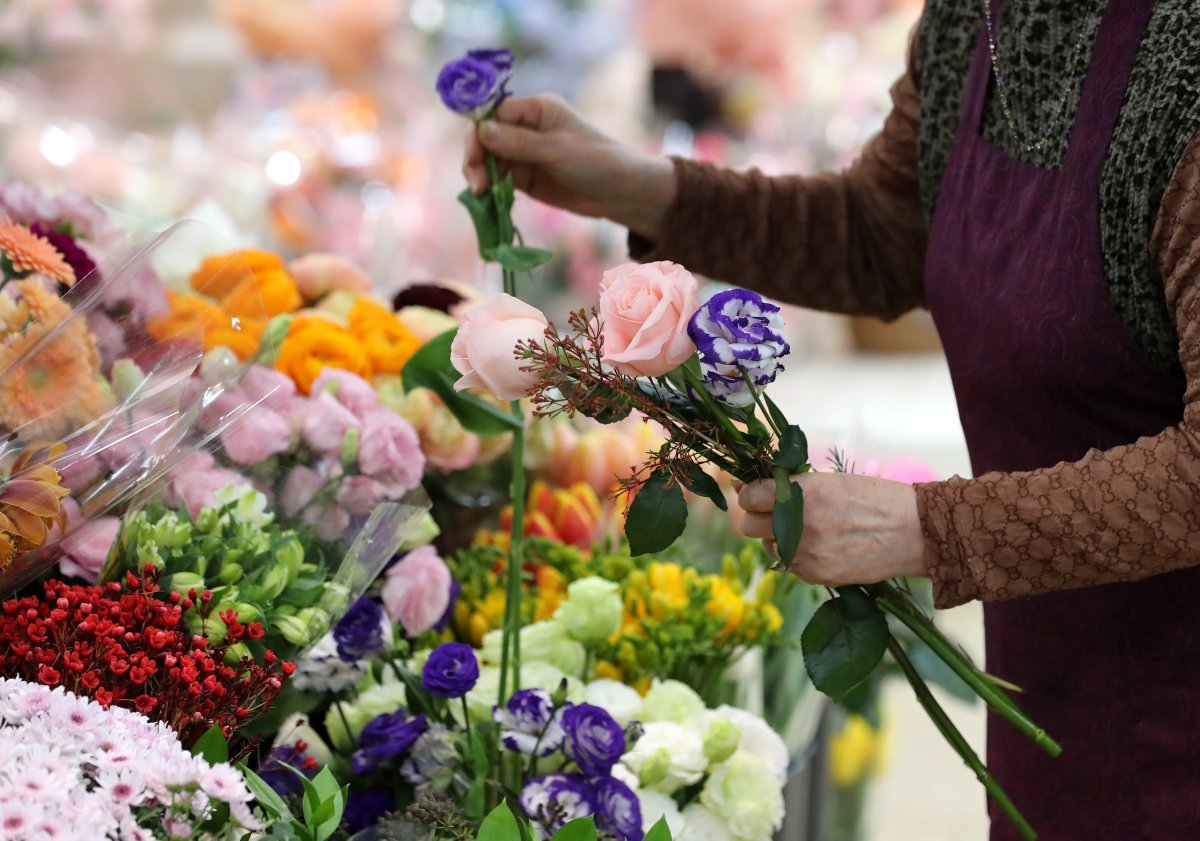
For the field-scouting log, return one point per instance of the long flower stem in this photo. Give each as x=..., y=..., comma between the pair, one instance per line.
x=894, y=603
x=952, y=735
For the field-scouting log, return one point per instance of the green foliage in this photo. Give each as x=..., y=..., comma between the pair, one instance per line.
x=657, y=516
x=787, y=517
x=430, y=368
x=844, y=642
x=322, y=805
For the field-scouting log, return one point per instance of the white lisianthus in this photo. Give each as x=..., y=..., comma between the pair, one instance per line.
x=656, y=806
x=592, y=611
x=670, y=700
x=759, y=740
x=622, y=702
x=667, y=757
x=699, y=824
x=541, y=642
x=743, y=792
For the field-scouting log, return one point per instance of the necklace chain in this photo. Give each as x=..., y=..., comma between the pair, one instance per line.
x=1068, y=85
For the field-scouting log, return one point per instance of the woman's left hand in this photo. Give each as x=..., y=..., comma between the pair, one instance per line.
x=857, y=529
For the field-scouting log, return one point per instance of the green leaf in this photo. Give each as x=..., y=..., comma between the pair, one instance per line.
x=844, y=642
x=777, y=416
x=266, y=796
x=580, y=829
x=474, y=802
x=793, y=450
x=430, y=368
x=325, y=784
x=521, y=258
x=212, y=747
x=500, y=825
x=659, y=832
x=486, y=220
x=320, y=813
x=701, y=484
x=505, y=193
x=787, y=517
x=657, y=516
x=479, y=755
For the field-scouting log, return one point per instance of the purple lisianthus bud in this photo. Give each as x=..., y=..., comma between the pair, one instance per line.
x=386, y=737
x=451, y=670
x=360, y=632
x=476, y=83
x=528, y=723
x=594, y=739
x=618, y=811
x=555, y=800
x=736, y=331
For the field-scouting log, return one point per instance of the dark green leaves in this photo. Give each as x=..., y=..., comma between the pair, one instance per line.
x=486, y=218
x=580, y=829
x=787, y=517
x=500, y=825
x=701, y=484
x=521, y=258
x=212, y=747
x=430, y=368
x=657, y=516
x=793, y=450
x=844, y=642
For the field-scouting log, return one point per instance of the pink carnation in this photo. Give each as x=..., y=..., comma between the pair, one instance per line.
x=257, y=437
x=351, y=390
x=390, y=451
x=325, y=424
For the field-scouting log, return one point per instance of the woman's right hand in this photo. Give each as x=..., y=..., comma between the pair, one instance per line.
x=558, y=157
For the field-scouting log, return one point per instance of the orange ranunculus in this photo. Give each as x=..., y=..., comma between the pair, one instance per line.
x=220, y=274
x=191, y=318
x=265, y=294
x=312, y=348
x=388, y=342
x=243, y=337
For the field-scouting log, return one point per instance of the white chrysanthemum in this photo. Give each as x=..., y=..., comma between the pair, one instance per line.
x=667, y=757
x=744, y=793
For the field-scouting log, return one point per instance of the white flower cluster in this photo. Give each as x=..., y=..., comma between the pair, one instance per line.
x=740, y=760
x=69, y=769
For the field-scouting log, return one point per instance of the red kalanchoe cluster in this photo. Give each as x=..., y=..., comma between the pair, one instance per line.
x=128, y=647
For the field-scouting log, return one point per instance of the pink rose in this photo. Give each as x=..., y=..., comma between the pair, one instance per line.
x=301, y=486
x=645, y=311
x=348, y=388
x=267, y=387
x=317, y=275
x=390, y=451
x=85, y=549
x=483, y=350
x=416, y=590
x=359, y=495
x=256, y=437
x=325, y=424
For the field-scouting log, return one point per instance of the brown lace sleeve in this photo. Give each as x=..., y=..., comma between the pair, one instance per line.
x=851, y=242
x=1118, y=515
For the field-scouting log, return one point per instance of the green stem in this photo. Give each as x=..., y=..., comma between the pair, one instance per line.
x=894, y=603
x=507, y=230
x=759, y=403
x=467, y=724
x=943, y=723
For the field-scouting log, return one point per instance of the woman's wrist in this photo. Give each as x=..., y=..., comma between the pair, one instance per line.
x=646, y=194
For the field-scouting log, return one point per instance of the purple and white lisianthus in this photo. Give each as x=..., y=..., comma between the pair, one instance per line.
x=618, y=811
x=737, y=331
x=360, y=633
x=384, y=738
x=594, y=739
x=555, y=800
x=476, y=83
x=529, y=722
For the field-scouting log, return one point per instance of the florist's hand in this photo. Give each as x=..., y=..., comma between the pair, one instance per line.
x=558, y=157
x=857, y=529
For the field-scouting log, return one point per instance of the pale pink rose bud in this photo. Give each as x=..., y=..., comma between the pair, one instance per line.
x=317, y=275
x=483, y=350
x=416, y=590
x=644, y=310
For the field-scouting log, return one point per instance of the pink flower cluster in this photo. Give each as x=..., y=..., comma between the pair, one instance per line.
x=70, y=769
x=340, y=452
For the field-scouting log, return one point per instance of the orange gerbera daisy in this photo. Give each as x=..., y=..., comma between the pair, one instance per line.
x=37, y=395
x=30, y=253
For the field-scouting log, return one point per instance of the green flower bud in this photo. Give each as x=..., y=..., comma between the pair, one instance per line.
x=335, y=599
x=424, y=531
x=655, y=769
x=350, y=450
x=273, y=583
x=293, y=628
x=290, y=556
x=218, y=366
x=230, y=573
x=170, y=533
x=237, y=652
x=127, y=378
x=208, y=521
x=148, y=555
x=272, y=339
x=247, y=612
x=721, y=740
x=181, y=582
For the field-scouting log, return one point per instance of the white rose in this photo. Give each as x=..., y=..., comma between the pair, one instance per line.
x=667, y=757
x=670, y=700
x=622, y=702
x=743, y=792
x=699, y=824
x=656, y=806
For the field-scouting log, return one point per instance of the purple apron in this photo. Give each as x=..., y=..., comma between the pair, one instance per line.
x=1044, y=370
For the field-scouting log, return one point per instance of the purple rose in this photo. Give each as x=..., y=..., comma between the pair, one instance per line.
x=359, y=633
x=594, y=739
x=528, y=723
x=451, y=670
x=555, y=800
x=618, y=811
x=736, y=331
x=386, y=737
x=476, y=83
